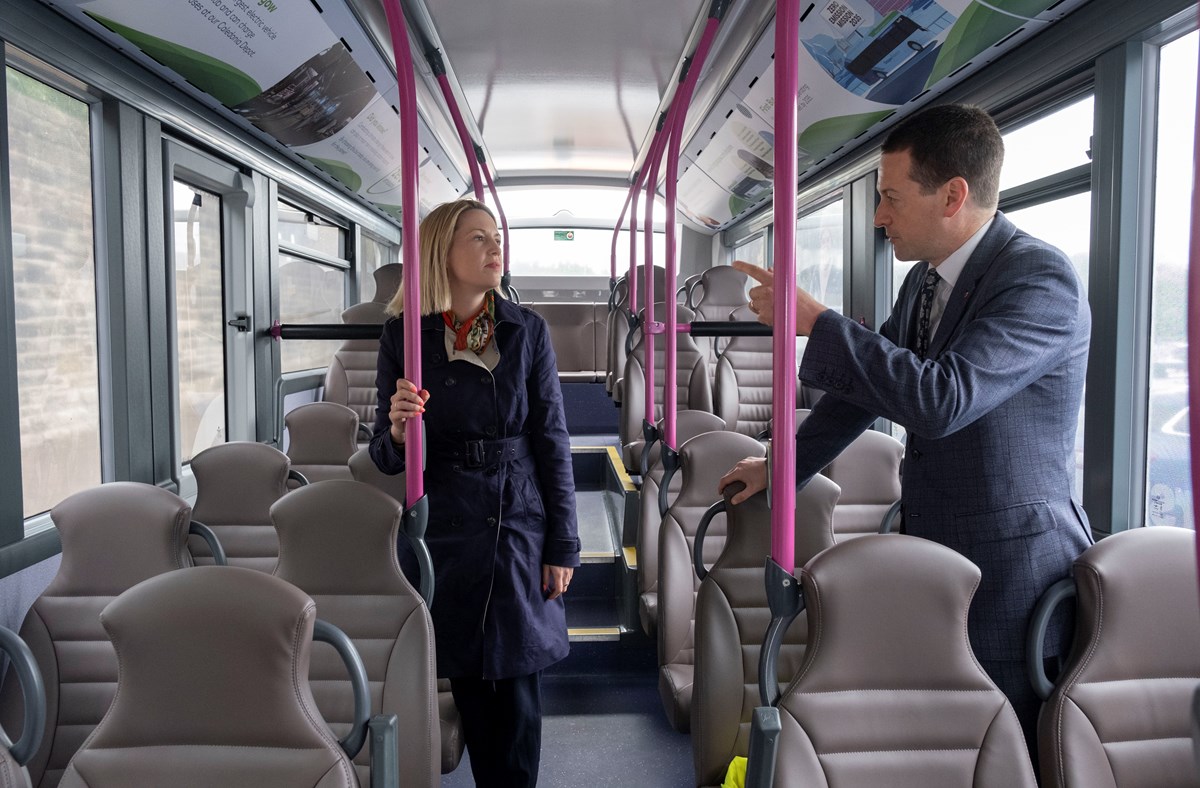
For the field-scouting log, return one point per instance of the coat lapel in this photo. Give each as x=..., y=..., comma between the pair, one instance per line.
x=980, y=261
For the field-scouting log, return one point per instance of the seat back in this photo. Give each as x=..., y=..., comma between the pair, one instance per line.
x=703, y=461
x=187, y=705
x=889, y=692
x=350, y=378
x=321, y=438
x=618, y=328
x=1119, y=716
x=388, y=279
x=363, y=469
x=868, y=473
x=236, y=483
x=337, y=542
x=14, y=755
x=573, y=335
x=689, y=424
x=113, y=537
x=692, y=389
x=731, y=622
x=720, y=292
x=742, y=392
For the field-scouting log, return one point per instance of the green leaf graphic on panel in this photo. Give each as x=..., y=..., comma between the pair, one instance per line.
x=826, y=135
x=977, y=29
x=222, y=81
x=340, y=170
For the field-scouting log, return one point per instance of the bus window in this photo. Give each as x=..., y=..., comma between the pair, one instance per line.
x=54, y=278
x=753, y=251
x=1168, y=468
x=313, y=274
x=372, y=255
x=819, y=254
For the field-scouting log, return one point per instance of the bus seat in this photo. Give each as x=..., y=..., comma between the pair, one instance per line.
x=692, y=389
x=618, y=328
x=113, y=537
x=889, y=692
x=337, y=543
x=694, y=289
x=236, y=483
x=321, y=438
x=388, y=279
x=731, y=622
x=703, y=461
x=688, y=425
x=573, y=336
x=14, y=756
x=187, y=711
x=617, y=323
x=1120, y=715
x=721, y=291
x=868, y=473
x=350, y=377
x=364, y=470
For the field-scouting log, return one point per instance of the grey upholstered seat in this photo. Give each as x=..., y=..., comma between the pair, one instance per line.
x=720, y=291
x=321, y=438
x=236, y=483
x=732, y=618
x=618, y=327
x=337, y=543
x=1120, y=715
x=113, y=537
x=703, y=461
x=350, y=378
x=868, y=474
x=364, y=470
x=742, y=392
x=32, y=690
x=692, y=389
x=688, y=425
x=12, y=774
x=213, y=689
x=889, y=692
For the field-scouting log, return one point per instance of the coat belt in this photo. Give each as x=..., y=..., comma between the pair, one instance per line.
x=481, y=453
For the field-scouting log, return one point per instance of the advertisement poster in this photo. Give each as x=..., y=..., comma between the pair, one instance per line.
x=278, y=65
x=859, y=60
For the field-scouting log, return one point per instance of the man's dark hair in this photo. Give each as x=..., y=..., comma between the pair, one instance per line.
x=949, y=141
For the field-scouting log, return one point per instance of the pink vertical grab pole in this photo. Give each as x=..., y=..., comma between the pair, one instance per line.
x=783, y=384
x=414, y=479
x=682, y=99
x=1193, y=323
x=648, y=334
x=464, y=136
x=631, y=279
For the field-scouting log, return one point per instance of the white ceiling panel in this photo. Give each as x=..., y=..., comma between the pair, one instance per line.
x=564, y=86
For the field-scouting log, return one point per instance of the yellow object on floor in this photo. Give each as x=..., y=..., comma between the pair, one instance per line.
x=735, y=777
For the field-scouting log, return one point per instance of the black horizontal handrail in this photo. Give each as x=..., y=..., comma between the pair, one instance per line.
x=729, y=328
x=326, y=331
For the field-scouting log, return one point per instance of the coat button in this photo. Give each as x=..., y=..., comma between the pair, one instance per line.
x=450, y=382
x=490, y=431
x=493, y=470
x=491, y=521
x=457, y=469
x=437, y=358
x=485, y=380
x=456, y=522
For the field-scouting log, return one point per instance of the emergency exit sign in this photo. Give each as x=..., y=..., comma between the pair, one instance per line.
x=564, y=235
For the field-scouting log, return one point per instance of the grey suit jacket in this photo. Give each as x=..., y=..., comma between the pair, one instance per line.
x=991, y=417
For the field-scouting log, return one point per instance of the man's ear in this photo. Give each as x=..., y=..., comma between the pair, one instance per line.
x=956, y=192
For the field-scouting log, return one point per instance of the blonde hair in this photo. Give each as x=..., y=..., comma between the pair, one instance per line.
x=437, y=235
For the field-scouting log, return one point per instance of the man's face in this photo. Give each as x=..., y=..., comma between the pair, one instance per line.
x=913, y=220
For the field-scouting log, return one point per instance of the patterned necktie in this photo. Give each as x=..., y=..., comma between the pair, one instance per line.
x=928, y=287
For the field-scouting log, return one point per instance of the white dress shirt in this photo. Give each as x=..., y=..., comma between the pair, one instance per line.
x=949, y=271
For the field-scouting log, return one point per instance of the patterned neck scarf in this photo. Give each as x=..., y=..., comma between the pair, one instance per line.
x=476, y=331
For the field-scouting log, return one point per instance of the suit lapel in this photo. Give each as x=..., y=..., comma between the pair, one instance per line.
x=978, y=264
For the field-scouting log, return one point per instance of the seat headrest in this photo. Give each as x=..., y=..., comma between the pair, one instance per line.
x=365, y=312
x=868, y=470
x=749, y=525
x=214, y=655
x=724, y=288
x=364, y=469
x=321, y=433
x=237, y=482
x=1123, y=582
x=706, y=458
x=899, y=590
x=387, y=282
x=339, y=537
x=117, y=535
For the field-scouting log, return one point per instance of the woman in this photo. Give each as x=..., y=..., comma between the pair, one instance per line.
x=502, y=529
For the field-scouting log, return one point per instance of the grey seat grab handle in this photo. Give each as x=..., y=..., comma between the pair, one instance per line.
x=1039, y=622
x=324, y=632
x=214, y=544
x=295, y=475
x=765, y=727
x=888, y=523
x=701, y=531
x=33, y=688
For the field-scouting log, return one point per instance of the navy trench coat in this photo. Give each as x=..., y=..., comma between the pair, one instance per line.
x=501, y=493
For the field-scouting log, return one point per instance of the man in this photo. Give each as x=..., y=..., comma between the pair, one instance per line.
x=982, y=361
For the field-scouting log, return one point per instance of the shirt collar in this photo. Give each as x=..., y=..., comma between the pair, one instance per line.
x=950, y=268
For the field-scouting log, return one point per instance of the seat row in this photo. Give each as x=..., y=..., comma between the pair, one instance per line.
x=203, y=639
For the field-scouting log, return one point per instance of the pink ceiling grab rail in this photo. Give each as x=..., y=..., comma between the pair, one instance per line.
x=1193, y=323
x=649, y=326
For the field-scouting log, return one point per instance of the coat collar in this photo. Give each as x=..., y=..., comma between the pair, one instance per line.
x=978, y=264
x=506, y=312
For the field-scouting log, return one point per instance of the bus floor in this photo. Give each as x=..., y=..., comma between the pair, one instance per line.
x=601, y=731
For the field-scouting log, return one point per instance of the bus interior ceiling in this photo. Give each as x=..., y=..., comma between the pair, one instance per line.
x=280, y=122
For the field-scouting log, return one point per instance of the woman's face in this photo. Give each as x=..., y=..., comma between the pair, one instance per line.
x=474, y=262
